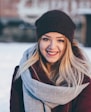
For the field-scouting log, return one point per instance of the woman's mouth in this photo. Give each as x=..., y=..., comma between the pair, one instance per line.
x=52, y=53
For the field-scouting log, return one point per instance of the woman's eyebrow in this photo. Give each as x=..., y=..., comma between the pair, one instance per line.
x=47, y=35
x=60, y=37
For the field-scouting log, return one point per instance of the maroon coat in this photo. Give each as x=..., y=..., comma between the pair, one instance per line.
x=82, y=103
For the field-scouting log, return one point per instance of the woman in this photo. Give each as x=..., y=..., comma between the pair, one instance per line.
x=53, y=75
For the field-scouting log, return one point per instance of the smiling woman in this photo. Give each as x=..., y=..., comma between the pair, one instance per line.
x=52, y=46
x=53, y=75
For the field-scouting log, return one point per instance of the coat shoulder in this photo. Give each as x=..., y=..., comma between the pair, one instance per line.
x=83, y=102
x=16, y=94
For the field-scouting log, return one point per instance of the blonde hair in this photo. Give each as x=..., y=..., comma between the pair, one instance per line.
x=71, y=68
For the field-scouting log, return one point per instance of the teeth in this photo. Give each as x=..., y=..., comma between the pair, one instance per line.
x=53, y=53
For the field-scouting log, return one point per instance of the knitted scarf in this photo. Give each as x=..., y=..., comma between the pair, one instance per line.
x=41, y=97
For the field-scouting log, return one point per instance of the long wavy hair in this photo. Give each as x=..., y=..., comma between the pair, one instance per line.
x=71, y=68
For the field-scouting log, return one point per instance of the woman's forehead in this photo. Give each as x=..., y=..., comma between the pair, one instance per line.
x=54, y=34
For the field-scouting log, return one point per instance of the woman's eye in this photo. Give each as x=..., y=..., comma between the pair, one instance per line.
x=45, y=39
x=61, y=40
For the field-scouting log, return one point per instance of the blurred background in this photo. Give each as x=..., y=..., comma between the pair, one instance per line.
x=17, y=33
x=17, y=18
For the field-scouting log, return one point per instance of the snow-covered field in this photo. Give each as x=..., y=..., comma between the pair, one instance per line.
x=10, y=55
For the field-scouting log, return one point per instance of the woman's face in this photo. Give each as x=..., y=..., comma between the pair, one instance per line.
x=52, y=46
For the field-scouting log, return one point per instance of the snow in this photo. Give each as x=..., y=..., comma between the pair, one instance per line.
x=10, y=55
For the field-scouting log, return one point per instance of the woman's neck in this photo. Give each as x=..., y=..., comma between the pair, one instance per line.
x=49, y=66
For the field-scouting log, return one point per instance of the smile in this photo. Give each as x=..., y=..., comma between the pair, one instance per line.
x=51, y=53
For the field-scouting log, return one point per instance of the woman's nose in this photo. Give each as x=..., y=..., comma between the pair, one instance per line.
x=52, y=44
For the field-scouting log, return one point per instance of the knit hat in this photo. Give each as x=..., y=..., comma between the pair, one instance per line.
x=55, y=21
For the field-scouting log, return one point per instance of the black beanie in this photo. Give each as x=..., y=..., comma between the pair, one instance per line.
x=55, y=21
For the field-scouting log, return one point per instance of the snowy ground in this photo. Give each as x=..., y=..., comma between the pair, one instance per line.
x=10, y=54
